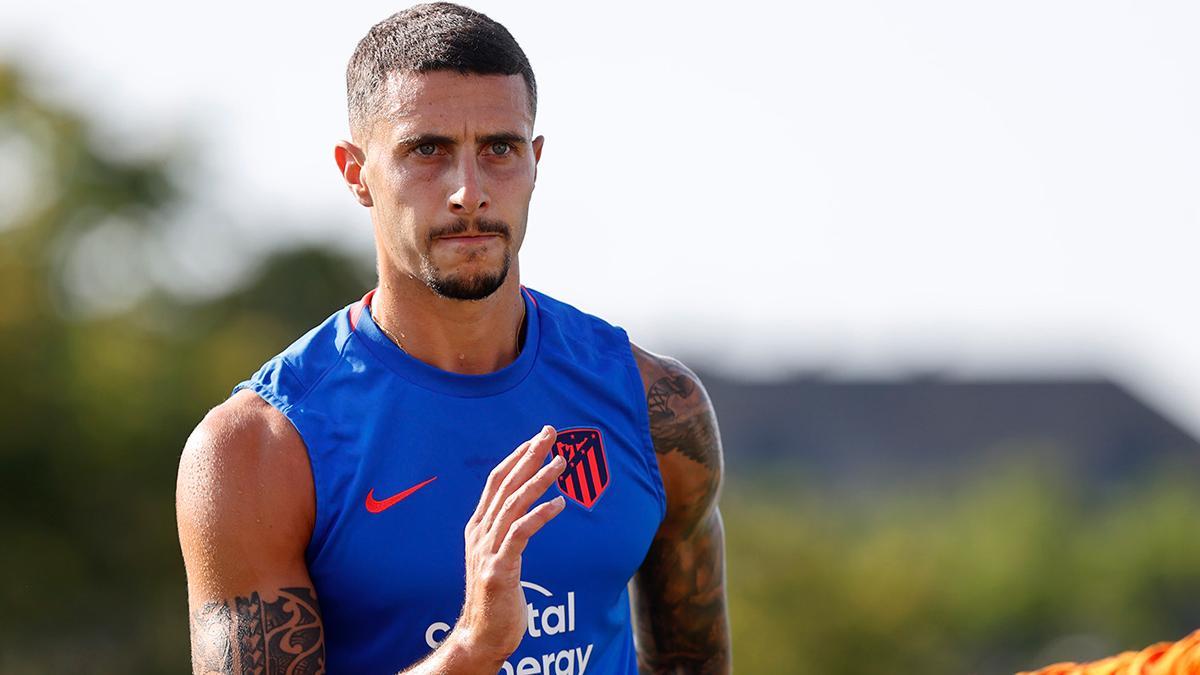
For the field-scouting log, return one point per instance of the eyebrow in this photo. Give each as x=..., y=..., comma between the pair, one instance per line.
x=423, y=139
x=503, y=137
x=438, y=139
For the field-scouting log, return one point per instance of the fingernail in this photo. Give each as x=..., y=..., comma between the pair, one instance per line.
x=558, y=460
x=546, y=431
x=559, y=500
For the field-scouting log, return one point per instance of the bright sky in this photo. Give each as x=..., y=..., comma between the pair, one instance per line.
x=861, y=187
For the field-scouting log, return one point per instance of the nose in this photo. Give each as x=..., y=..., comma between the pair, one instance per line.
x=470, y=195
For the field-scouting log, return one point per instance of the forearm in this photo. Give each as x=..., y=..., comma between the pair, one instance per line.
x=680, y=607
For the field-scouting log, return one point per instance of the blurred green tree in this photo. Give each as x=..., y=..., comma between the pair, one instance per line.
x=97, y=405
x=1008, y=570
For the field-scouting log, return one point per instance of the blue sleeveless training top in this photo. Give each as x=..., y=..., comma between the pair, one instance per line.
x=400, y=452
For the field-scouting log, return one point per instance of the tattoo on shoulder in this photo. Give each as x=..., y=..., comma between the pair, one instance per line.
x=261, y=637
x=681, y=416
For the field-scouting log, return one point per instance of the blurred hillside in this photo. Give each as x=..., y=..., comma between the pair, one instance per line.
x=988, y=526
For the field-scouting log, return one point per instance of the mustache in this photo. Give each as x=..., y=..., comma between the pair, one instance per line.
x=461, y=226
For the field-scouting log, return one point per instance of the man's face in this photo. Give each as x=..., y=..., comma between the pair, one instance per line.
x=450, y=170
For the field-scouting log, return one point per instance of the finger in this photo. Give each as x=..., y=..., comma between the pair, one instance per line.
x=530, y=451
x=498, y=474
x=528, y=525
x=527, y=464
x=518, y=503
x=514, y=501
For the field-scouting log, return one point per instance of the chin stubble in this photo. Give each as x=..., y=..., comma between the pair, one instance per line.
x=459, y=287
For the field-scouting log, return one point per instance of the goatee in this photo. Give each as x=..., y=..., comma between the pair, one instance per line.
x=464, y=287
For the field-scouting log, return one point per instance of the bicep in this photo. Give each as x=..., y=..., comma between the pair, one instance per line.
x=243, y=530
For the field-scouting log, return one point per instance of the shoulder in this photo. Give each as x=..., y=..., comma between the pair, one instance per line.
x=576, y=328
x=687, y=442
x=288, y=376
x=244, y=485
x=682, y=419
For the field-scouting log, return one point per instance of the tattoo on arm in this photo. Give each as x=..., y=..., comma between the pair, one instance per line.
x=680, y=605
x=279, y=637
x=681, y=417
x=679, y=598
x=211, y=649
x=675, y=383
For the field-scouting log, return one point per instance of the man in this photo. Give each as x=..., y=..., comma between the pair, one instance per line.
x=371, y=499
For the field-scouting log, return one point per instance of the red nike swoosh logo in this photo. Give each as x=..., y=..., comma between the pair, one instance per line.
x=377, y=506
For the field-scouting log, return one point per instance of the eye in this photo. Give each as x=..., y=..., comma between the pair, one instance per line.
x=426, y=149
x=501, y=148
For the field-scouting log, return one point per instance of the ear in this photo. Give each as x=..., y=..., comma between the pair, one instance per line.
x=351, y=160
x=537, y=154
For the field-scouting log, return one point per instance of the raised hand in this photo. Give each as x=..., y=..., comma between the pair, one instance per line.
x=493, y=618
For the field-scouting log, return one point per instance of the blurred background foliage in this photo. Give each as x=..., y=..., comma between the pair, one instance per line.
x=107, y=370
x=1001, y=571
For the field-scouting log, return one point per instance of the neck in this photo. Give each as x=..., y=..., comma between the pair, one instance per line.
x=459, y=336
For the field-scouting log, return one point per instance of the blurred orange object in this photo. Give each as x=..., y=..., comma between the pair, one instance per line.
x=1164, y=658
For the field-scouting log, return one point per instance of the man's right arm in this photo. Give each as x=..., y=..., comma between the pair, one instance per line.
x=245, y=506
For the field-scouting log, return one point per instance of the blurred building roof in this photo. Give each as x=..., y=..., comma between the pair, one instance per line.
x=868, y=431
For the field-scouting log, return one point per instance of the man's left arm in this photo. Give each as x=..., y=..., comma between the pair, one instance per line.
x=681, y=624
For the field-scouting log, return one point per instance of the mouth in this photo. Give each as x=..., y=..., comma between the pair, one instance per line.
x=469, y=238
x=463, y=233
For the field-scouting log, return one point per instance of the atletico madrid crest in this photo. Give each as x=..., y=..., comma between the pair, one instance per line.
x=586, y=474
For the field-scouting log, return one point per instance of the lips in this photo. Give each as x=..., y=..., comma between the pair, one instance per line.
x=469, y=239
x=467, y=231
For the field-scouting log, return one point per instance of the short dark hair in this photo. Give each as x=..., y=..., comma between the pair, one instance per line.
x=426, y=38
